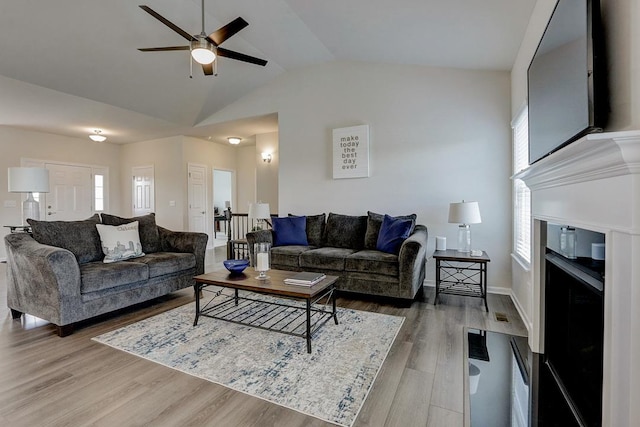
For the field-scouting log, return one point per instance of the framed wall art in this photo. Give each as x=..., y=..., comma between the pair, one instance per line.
x=351, y=152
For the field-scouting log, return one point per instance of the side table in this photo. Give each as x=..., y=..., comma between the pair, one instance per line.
x=460, y=273
x=19, y=228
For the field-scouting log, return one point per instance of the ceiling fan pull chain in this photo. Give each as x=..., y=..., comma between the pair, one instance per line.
x=215, y=67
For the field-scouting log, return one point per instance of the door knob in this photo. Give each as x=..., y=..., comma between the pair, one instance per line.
x=203, y=212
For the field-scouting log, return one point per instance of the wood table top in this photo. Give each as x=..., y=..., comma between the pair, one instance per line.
x=274, y=285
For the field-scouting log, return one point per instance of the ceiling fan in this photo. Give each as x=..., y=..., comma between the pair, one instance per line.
x=205, y=48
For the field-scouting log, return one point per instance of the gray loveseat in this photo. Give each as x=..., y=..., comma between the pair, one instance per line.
x=345, y=246
x=58, y=274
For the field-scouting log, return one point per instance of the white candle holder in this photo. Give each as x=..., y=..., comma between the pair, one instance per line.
x=262, y=253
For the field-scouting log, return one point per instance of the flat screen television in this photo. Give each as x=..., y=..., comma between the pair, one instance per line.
x=567, y=86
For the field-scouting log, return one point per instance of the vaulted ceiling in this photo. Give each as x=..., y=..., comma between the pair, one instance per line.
x=70, y=66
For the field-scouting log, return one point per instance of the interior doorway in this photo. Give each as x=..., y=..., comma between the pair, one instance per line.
x=143, y=190
x=222, y=198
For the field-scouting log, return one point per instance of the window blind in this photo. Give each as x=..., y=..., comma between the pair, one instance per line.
x=521, y=193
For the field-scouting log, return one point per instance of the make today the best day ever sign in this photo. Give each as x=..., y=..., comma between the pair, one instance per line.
x=351, y=152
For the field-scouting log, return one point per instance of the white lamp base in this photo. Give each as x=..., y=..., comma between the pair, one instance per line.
x=464, y=238
x=30, y=209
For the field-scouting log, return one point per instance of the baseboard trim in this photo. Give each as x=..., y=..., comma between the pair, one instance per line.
x=527, y=322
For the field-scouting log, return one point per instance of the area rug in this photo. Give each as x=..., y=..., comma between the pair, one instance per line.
x=331, y=383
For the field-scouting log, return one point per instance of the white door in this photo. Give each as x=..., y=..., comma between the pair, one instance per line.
x=70, y=196
x=197, y=195
x=143, y=191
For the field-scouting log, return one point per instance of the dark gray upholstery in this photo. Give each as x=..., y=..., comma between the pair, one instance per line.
x=149, y=236
x=315, y=229
x=345, y=231
x=288, y=255
x=326, y=258
x=98, y=276
x=79, y=237
x=366, y=271
x=49, y=282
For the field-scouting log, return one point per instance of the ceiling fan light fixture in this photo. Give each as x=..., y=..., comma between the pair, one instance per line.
x=202, y=51
x=97, y=137
x=234, y=140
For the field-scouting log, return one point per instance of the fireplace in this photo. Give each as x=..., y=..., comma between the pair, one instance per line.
x=574, y=334
x=591, y=184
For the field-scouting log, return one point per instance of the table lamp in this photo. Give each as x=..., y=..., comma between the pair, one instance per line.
x=29, y=180
x=259, y=212
x=464, y=213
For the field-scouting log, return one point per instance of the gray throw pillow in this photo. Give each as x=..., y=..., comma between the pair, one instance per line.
x=345, y=231
x=149, y=235
x=374, y=222
x=79, y=237
x=315, y=229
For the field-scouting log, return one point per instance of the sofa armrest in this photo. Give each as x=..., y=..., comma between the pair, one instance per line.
x=412, y=259
x=259, y=236
x=185, y=241
x=42, y=280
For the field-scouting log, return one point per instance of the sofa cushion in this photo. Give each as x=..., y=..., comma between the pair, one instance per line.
x=393, y=232
x=290, y=230
x=288, y=256
x=79, y=237
x=325, y=258
x=374, y=222
x=120, y=242
x=161, y=263
x=345, y=231
x=98, y=276
x=315, y=229
x=149, y=235
x=373, y=262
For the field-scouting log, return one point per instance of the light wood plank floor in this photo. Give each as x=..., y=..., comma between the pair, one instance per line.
x=50, y=381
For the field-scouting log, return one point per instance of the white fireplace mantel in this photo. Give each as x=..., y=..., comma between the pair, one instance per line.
x=594, y=183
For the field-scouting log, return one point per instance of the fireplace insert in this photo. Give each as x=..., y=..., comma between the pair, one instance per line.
x=574, y=333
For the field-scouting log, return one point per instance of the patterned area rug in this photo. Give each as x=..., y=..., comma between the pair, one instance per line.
x=331, y=383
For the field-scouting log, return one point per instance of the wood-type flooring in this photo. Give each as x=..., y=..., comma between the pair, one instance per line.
x=73, y=381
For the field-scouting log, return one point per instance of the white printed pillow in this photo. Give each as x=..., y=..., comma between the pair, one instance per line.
x=120, y=242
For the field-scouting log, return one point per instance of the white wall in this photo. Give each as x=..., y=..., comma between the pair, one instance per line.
x=437, y=136
x=169, y=178
x=245, y=178
x=623, y=58
x=16, y=144
x=267, y=173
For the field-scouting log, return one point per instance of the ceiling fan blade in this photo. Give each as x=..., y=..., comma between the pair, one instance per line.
x=222, y=34
x=240, y=56
x=162, y=49
x=208, y=69
x=166, y=22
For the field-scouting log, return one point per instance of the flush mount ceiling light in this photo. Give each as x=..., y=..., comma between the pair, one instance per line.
x=202, y=51
x=234, y=140
x=97, y=137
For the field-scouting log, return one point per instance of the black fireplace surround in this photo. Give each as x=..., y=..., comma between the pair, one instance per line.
x=571, y=372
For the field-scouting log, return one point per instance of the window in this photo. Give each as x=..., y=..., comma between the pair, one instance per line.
x=521, y=193
x=98, y=192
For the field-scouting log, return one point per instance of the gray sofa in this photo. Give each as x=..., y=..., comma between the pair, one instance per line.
x=345, y=246
x=58, y=273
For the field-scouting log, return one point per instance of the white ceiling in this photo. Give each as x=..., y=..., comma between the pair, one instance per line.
x=70, y=66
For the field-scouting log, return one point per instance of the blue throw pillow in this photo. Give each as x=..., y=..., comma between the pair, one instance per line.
x=291, y=230
x=393, y=232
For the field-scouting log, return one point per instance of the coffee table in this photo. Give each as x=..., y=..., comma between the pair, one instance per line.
x=290, y=309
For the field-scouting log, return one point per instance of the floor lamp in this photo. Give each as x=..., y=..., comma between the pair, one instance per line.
x=29, y=180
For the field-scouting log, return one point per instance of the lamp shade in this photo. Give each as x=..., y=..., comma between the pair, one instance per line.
x=464, y=213
x=259, y=211
x=26, y=180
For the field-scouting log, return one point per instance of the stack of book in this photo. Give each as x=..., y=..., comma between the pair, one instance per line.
x=305, y=278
